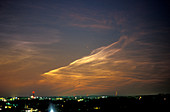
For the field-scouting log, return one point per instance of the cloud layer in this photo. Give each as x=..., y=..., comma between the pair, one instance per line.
x=115, y=67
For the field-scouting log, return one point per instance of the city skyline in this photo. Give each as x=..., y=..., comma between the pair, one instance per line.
x=80, y=47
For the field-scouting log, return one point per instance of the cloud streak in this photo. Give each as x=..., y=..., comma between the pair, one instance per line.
x=106, y=69
x=96, y=26
x=89, y=21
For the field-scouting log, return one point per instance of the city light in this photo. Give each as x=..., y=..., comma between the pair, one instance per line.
x=51, y=110
x=83, y=103
x=140, y=98
x=96, y=108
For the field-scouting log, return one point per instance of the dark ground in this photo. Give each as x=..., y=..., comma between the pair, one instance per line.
x=88, y=104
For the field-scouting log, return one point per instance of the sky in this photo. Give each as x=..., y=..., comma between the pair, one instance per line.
x=84, y=47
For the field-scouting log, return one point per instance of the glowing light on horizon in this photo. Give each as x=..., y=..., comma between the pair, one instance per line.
x=51, y=108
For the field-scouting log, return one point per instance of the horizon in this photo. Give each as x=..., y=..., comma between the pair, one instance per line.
x=93, y=95
x=84, y=103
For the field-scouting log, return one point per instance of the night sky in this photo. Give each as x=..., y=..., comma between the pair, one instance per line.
x=84, y=47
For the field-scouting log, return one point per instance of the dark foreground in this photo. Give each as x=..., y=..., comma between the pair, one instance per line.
x=85, y=104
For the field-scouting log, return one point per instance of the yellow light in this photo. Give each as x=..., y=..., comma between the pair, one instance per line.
x=140, y=98
x=32, y=96
x=80, y=100
x=26, y=106
x=96, y=108
x=8, y=106
x=3, y=99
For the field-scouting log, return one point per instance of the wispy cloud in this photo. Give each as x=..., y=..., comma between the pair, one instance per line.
x=96, y=26
x=83, y=18
x=20, y=46
x=90, y=21
x=19, y=50
x=120, y=18
x=106, y=69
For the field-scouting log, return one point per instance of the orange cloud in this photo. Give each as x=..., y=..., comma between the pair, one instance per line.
x=106, y=69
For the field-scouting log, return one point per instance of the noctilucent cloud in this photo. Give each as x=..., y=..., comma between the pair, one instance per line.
x=84, y=47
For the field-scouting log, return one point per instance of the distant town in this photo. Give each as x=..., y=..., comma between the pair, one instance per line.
x=93, y=103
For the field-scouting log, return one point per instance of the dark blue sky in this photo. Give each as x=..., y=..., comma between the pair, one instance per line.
x=124, y=46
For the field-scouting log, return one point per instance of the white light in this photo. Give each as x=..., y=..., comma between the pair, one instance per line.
x=51, y=110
